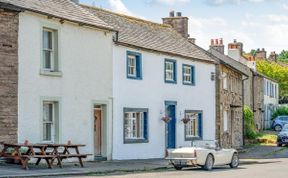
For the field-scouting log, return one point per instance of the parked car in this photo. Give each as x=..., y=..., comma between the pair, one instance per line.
x=205, y=154
x=279, y=122
x=282, y=138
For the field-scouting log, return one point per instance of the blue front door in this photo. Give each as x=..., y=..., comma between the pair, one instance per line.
x=171, y=126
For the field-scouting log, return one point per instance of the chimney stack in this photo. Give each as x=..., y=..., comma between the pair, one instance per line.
x=217, y=45
x=235, y=50
x=179, y=23
x=261, y=54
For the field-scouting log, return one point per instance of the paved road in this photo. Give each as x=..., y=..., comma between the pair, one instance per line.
x=268, y=168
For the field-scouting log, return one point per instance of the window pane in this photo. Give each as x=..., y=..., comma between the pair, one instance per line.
x=47, y=59
x=47, y=40
x=47, y=132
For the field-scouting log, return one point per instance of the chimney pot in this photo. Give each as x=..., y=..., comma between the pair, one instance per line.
x=235, y=40
x=216, y=41
x=172, y=14
x=212, y=42
x=221, y=41
x=179, y=14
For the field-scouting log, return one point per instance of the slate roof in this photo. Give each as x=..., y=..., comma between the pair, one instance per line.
x=63, y=9
x=145, y=34
x=231, y=62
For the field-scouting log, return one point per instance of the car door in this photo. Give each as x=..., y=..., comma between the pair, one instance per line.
x=222, y=156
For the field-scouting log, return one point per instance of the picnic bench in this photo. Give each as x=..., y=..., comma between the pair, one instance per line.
x=41, y=152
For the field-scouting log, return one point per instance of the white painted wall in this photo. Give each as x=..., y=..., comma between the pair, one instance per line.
x=86, y=60
x=270, y=102
x=151, y=93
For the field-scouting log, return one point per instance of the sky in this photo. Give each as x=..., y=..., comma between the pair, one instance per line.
x=256, y=23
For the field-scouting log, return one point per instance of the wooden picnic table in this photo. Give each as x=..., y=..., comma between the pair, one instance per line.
x=42, y=152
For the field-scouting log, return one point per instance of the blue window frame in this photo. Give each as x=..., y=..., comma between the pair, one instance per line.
x=193, y=129
x=170, y=71
x=134, y=65
x=135, y=125
x=188, y=73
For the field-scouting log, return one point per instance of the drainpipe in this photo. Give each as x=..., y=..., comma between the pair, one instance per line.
x=243, y=103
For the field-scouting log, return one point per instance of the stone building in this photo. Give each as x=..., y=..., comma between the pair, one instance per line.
x=261, y=54
x=9, y=18
x=231, y=75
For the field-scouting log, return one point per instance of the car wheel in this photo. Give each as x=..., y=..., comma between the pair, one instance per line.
x=278, y=128
x=177, y=167
x=209, y=163
x=235, y=161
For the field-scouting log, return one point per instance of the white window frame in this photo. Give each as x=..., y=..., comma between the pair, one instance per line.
x=192, y=127
x=169, y=71
x=131, y=133
x=132, y=69
x=52, y=51
x=52, y=122
x=187, y=75
x=225, y=120
x=225, y=81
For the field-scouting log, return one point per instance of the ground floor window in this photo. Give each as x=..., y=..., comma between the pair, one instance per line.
x=193, y=128
x=135, y=125
x=50, y=121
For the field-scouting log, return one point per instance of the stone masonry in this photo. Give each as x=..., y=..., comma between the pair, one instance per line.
x=230, y=100
x=258, y=98
x=8, y=75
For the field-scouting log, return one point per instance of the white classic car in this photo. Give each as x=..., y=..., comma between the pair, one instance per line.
x=205, y=154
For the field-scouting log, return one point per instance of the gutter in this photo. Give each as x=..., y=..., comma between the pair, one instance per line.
x=243, y=104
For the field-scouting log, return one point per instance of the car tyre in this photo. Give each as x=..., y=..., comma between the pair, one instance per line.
x=209, y=163
x=235, y=161
x=278, y=128
x=177, y=167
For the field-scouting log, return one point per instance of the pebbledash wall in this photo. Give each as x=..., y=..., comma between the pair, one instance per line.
x=151, y=92
x=85, y=56
x=8, y=75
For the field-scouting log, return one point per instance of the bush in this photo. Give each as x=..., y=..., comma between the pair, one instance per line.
x=280, y=111
x=250, y=129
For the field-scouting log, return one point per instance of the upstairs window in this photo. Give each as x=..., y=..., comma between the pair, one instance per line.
x=134, y=65
x=188, y=75
x=135, y=125
x=50, y=51
x=170, y=71
x=193, y=129
x=225, y=81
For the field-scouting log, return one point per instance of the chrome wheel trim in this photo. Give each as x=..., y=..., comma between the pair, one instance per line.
x=209, y=162
x=278, y=128
x=235, y=161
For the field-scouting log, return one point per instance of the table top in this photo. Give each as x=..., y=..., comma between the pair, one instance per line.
x=65, y=145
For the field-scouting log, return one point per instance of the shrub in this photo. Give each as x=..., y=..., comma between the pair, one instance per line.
x=250, y=129
x=280, y=111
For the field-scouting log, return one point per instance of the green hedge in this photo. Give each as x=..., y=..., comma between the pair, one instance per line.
x=280, y=111
x=250, y=129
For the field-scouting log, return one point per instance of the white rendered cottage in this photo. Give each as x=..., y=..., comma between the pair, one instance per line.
x=157, y=73
x=62, y=74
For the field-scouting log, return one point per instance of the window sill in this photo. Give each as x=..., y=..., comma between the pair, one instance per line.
x=192, y=138
x=51, y=73
x=171, y=81
x=133, y=141
x=189, y=84
x=134, y=78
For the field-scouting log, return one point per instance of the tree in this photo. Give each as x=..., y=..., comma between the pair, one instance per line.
x=277, y=72
x=280, y=111
x=250, y=129
x=283, y=56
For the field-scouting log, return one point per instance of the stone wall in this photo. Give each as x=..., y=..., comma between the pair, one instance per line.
x=258, y=98
x=230, y=100
x=8, y=75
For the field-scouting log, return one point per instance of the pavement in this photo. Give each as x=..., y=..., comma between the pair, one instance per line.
x=267, y=168
x=250, y=156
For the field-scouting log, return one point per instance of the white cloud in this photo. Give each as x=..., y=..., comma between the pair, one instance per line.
x=119, y=6
x=221, y=2
x=285, y=6
x=171, y=2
